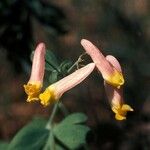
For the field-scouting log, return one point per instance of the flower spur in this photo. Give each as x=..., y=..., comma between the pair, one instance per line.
x=109, y=73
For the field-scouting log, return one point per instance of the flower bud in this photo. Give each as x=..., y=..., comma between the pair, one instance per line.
x=56, y=90
x=34, y=85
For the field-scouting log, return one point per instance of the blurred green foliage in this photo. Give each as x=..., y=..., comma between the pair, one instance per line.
x=32, y=136
x=16, y=34
x=70, y=131
x=55, y=70
x=68, y=134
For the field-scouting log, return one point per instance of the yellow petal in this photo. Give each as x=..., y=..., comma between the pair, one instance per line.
x=119, y=117
x=33, y=91
x=115, y=109
x=121, y=111
x=116, y=79
x=126, y=107
x=47, y=97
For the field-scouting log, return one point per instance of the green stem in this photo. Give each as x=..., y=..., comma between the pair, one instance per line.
x=63, y=109
x=50, y=144
x=76, y=63
x=49, y=124
x=52, y=141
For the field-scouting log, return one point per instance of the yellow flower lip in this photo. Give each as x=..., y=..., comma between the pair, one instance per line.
x=116, y=79
x=32, y=89
x=47, y=97
x=121, y=111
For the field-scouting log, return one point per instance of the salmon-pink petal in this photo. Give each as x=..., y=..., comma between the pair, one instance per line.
x=34, y=85
x=73, y=79
x=114, y=62
x=56, y=90
x=38, y=64
x=114, y=95
x=98, y=58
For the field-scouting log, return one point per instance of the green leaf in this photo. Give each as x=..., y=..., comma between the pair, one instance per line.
x=51, y=60
x=75, y=118
x=72, y=136
x=64, y=66
x=59, y=147
x=50, y=142
x=32, y=137
x=49, y=67
x=70, y=132
x=3, y=145
x=53, y=76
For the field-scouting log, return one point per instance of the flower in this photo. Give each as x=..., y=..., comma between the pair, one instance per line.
x=34, y=85
x=115, y=95
x=109, y=73
x=56, y=90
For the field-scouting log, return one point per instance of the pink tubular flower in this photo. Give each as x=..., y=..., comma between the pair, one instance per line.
x=115, y=95
x=109, y=73
x=56, y=90
x=34, y=85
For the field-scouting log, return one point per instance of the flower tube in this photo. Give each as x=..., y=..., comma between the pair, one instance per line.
x=109, y=73
x=115, y=96
x=56, y=90
x=34, y=85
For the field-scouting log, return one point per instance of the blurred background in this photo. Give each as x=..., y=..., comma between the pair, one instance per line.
x=120, y=28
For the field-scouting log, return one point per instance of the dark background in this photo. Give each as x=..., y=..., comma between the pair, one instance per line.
x=120, y=28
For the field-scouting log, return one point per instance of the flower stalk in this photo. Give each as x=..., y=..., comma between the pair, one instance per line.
x=54, y=111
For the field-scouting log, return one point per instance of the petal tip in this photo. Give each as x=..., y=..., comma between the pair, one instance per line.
x=40, y=47
x=92, y=65
x=84, y=42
